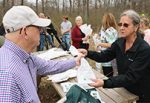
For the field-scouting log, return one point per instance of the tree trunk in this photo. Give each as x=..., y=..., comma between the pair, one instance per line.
x=58, y=6
x=87, y=9
x=22, y=2
x=73, y=6
x=79, y=7
x=63, y=8
x=4, y=7
x=70, y=10
x=37, y=7
x=12, y=3
x=43, y=10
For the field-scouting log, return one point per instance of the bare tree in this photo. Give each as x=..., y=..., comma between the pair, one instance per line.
x=43, y=6
x=4, y=6
x=70, y=10
x=63, y=8
x=37, y=9
x=84, y=9
x=12, y=3
x=87, y=8
x=22, y=2
x=73, y=6
x=79, y=7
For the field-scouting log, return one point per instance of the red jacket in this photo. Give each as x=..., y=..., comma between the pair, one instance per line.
x=76, y=36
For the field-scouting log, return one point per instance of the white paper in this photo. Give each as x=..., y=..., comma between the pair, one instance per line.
x=73, y=50
x=52, y=53
x=96, y=95
x=66, y=86
x=63, y=76
x=86, y=29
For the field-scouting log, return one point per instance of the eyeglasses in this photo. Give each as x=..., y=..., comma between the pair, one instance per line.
x=124, y=25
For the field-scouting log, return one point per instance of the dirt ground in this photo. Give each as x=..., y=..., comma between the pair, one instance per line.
x=46, y=92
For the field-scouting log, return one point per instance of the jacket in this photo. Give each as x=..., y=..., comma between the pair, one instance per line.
x=76, y=36
x=133, y=66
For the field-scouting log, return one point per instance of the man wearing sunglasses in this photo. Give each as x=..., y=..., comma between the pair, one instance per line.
x=132, y=54
x=18, y=67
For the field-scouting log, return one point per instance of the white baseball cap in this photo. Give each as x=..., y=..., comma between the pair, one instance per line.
x=21, y=16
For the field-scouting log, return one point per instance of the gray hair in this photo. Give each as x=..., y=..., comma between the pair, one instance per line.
x=78, y=18
x=134, y=16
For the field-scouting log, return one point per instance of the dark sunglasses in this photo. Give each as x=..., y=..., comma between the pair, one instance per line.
x=124, y=25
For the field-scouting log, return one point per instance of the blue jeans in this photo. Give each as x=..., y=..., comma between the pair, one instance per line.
x=66, y=40
x=42, y=40
x=49, y=37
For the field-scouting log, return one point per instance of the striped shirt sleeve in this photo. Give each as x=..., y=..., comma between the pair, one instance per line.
x=53, y=66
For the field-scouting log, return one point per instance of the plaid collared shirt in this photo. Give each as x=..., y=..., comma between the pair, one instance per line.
x=18, y=71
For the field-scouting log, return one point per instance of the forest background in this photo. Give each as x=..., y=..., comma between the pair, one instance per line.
x=92, y=12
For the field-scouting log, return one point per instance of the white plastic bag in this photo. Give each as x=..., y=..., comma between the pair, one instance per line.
x=73, y=50
x=85, y=73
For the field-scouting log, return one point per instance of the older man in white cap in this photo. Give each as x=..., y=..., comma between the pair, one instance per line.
x=18, y=67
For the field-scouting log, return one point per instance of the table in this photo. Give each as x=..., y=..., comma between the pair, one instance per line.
x=114, y=95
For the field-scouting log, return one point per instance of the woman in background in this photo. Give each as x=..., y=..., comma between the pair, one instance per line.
x=144, y=27
x=108, y=34
x=78, y=36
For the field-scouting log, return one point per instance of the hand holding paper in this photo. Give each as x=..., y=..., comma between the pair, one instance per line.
x=87, y=30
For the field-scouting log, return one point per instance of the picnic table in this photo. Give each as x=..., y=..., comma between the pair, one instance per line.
x=113, y=95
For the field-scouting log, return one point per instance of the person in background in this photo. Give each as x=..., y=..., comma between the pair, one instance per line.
x=52, y=31
x=18, y=66
x=2, y=34
x=66, y=31
x=77, y=36
x=2, y=30
x=49, y=34
x=144, y=27
x=108, y=34
x=132, y=54
x=96, y=39
x=43, y=35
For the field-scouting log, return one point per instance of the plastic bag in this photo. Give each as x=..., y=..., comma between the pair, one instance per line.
x=85, y=73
